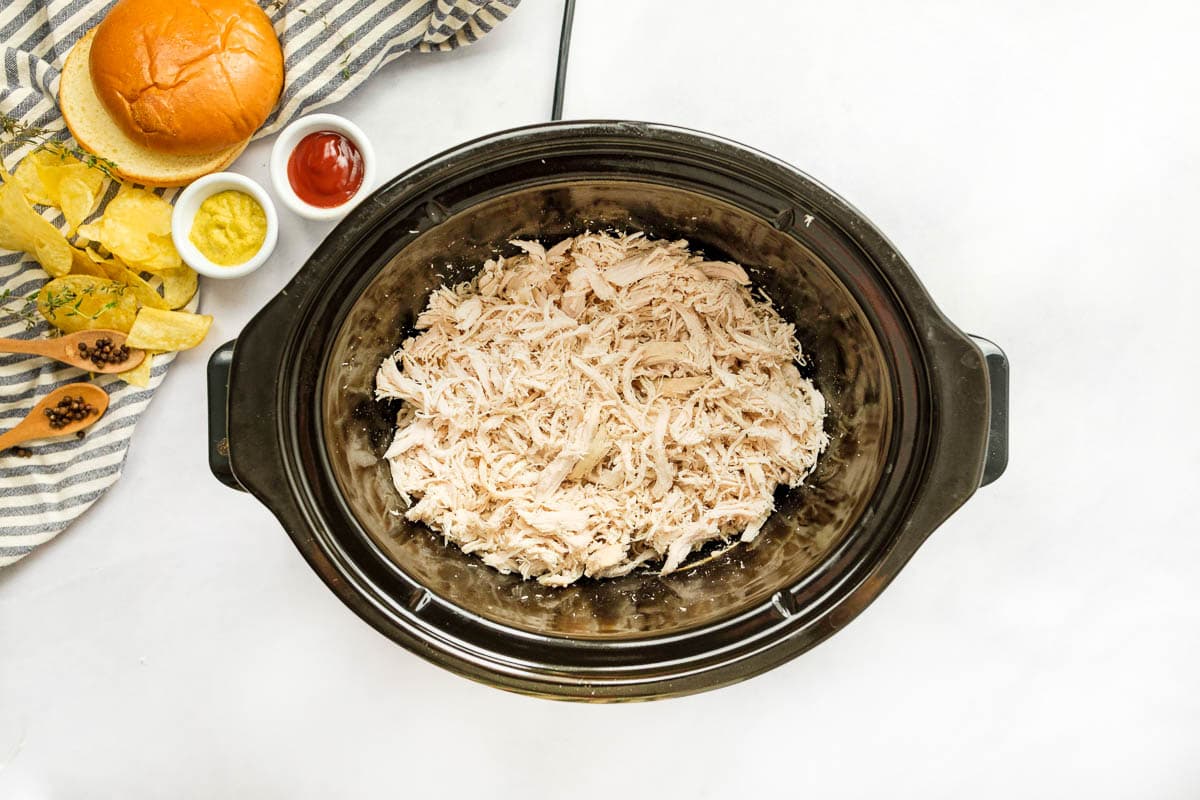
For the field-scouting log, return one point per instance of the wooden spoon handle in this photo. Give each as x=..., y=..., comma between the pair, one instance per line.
x=37, y=347
x=12, y=438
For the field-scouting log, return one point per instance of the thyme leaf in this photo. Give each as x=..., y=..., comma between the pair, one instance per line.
x=14, y=133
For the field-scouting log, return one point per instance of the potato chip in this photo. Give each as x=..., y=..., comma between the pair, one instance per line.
x=145, y=293
x=62, y=181
x=22, y=228
x=115, y=269
x=82, y=302
x=112, y=268
x=77, y=200
x=27, y=177
x=82, y=263
x=91, y=232
x=140, y=375
x=136, y=226
x=155, y=329
x=179, y=286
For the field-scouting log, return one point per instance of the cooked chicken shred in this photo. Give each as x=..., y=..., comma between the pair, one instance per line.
x=610, y=402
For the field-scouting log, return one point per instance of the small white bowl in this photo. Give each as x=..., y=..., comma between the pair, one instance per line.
x=282, y=151
x=188, y=203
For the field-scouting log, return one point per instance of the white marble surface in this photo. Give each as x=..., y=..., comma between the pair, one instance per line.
x=1037, y=162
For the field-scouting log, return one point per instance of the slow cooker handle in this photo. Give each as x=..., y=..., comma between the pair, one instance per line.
x=997, y=441
x=219, y=364
x=221, y=361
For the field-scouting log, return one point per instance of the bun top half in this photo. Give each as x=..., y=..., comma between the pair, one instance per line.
x=187, y=77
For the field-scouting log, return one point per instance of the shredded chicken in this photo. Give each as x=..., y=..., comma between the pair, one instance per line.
x=604, y=404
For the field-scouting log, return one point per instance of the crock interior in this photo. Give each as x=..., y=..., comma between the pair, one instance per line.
x=846, y=363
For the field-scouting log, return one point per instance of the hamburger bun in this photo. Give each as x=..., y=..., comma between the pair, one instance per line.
x=171, y=90
x=97, y=133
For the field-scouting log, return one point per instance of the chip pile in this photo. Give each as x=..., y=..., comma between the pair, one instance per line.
x=61, y=181
x=122, y=272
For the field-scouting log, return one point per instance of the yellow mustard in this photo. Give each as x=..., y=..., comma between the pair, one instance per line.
x=229, y=228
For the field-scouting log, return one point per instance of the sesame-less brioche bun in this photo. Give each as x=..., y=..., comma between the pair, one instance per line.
x=97, y=133
x=187, y=77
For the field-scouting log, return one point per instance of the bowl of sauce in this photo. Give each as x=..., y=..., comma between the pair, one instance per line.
x=224, y=225
x=322, y=166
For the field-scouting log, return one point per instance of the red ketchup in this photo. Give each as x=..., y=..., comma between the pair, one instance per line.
x=325, y=169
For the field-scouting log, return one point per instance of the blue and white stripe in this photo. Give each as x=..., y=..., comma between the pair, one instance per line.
x=330, y=48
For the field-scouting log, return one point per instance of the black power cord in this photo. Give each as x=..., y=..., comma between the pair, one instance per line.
x=564, y=49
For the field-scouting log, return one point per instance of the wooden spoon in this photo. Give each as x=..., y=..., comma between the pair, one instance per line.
x=37, y=425
x=66, y=349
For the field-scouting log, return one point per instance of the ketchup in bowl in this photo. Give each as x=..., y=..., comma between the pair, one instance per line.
x=325, y=169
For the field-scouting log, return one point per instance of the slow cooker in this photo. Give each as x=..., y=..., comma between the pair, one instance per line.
x=916, y=412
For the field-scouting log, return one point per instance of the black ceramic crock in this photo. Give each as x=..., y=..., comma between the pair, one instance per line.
x=916, y=412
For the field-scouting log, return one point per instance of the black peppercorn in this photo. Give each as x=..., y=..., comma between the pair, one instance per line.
x=69, y=409
x=104, y=352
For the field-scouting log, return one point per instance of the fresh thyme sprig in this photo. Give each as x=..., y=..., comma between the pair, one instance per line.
x=344, y=47
x=65, y=302
x=14, y=306
x=72, y=301
x=14, y=133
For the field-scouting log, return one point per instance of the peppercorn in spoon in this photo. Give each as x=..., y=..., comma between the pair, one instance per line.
x=96, y=351
x=68, y=409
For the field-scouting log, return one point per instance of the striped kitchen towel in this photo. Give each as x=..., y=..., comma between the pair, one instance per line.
x=330, y=48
